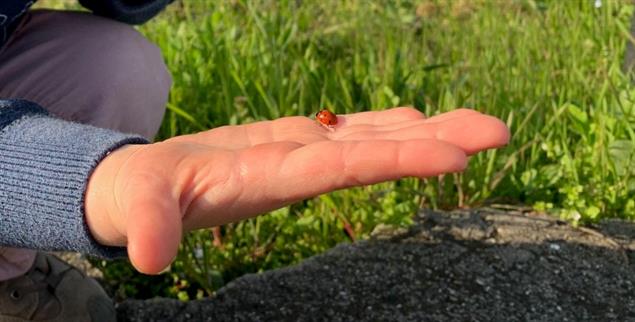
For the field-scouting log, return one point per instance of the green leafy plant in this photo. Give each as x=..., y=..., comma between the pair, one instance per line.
x=550, y=69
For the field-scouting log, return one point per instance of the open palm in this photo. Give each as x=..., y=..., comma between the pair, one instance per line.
x=235, y=172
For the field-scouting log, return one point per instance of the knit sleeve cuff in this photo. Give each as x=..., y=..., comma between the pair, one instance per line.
x=45, y=164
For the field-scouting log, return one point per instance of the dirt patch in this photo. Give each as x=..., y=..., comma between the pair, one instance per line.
x=472, y=265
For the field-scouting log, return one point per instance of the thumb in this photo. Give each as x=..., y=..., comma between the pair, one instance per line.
x=154, y=227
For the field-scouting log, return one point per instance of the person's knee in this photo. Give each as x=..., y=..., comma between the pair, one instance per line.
x=131, y=64
x=118, y=78
x=133, y=81
x=87, y=69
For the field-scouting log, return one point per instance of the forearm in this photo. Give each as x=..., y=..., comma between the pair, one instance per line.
x=45, y=164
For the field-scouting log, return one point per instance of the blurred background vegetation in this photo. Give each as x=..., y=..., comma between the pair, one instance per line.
x=550, y=69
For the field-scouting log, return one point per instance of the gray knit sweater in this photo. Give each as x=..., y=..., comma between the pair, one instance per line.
x=45, y=164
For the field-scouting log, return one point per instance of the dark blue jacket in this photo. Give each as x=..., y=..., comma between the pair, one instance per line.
x=128, y=11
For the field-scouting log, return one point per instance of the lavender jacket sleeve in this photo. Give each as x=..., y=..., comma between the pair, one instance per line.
x=45, y=164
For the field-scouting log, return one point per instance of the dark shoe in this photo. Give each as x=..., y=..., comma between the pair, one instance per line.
x=54, y=291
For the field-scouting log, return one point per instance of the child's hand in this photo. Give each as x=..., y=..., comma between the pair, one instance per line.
x=145, y=196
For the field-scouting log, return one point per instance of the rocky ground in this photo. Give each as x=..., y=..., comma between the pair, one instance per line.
x=467, y=265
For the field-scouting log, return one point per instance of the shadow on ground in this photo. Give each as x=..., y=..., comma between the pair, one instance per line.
x=472, y=265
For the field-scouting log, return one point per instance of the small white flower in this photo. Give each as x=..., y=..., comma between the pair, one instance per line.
x=198, y=252
x=598, y=3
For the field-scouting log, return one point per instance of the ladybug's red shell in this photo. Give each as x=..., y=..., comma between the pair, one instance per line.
x=326, y=117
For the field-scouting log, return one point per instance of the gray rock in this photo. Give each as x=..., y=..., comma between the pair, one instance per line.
x=468, y=265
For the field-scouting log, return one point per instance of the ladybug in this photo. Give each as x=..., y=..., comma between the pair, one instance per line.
x=326, y=118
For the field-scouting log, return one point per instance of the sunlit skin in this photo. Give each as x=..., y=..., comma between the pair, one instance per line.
x=146, y=196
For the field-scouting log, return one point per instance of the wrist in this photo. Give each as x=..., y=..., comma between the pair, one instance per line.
x=102, y=213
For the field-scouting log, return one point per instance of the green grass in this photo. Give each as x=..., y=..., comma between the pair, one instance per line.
x=550, y=69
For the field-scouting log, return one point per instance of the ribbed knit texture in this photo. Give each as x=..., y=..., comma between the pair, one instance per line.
x=45, y=164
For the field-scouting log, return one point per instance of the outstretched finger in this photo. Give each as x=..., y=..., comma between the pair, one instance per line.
x=270, y=176
x=360, y=127
x=328, y=165
x=307, y=171
x=378, y=118
x=472, y=132
x=454, y=114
